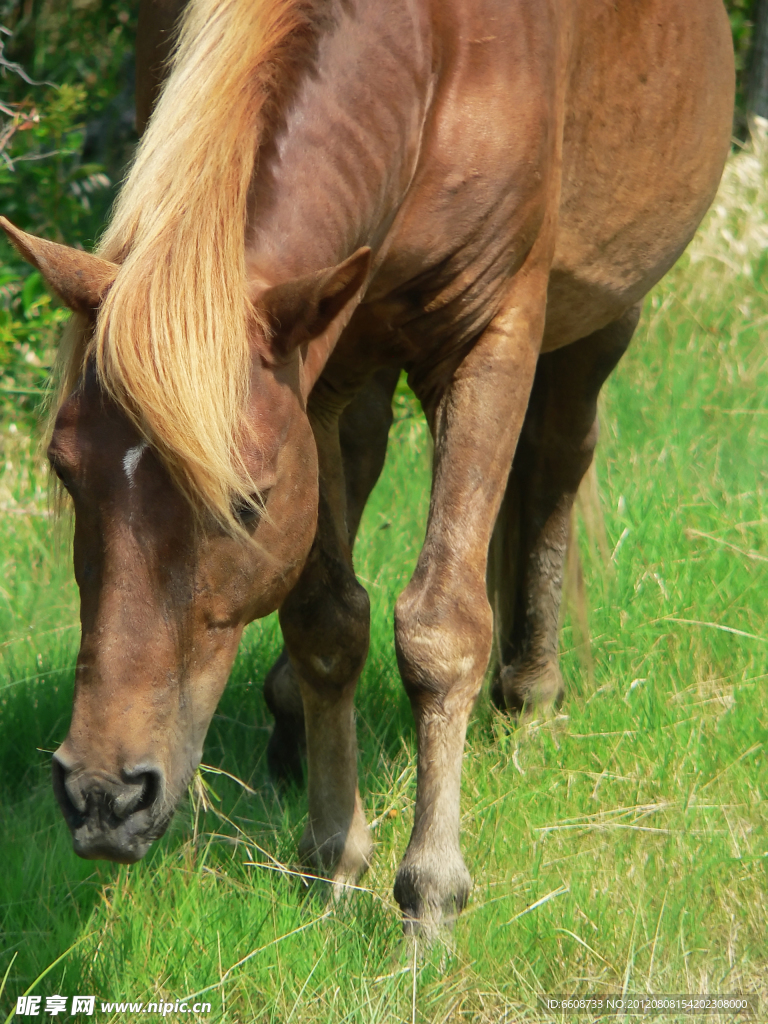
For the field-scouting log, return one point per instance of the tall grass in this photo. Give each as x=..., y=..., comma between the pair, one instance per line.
x=622, y=846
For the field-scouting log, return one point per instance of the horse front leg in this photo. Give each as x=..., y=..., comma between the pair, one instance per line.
x=443, y=620
x=363, y=435
x=325, y=622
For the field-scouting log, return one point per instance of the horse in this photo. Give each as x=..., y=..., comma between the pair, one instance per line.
x=329, y=192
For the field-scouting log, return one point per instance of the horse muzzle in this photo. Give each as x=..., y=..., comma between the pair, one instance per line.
x=111, y=818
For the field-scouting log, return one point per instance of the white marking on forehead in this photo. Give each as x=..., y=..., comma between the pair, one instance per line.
x=131, y=460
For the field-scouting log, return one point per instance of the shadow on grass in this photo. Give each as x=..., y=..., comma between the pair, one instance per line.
x=50, y=899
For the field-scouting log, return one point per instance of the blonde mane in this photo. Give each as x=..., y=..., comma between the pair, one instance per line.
x=172, y=336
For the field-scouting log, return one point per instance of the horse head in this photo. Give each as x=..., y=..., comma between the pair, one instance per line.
x=166, y=588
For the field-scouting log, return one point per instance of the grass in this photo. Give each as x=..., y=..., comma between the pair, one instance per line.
x=621, y=847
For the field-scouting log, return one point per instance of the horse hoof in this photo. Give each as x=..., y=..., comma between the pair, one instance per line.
x=432, y=893
x=523, y=688
x=339, y=853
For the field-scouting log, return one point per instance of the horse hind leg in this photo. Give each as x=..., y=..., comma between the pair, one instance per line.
x=363, y=433
x=528, y=550
x=287, y=745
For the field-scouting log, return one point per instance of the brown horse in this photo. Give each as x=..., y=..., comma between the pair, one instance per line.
x=479, y=191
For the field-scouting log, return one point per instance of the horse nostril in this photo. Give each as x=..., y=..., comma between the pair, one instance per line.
x=142, y=790
x=72, y=809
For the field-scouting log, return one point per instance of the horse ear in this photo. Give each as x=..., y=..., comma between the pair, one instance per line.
x=80, y=279
x=304, y=308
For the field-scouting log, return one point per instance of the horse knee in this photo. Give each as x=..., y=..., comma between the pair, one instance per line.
x=326, y=629
x=443, y=640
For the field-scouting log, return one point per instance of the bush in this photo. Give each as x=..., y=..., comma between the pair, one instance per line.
x=59, y=157
x=44, y=186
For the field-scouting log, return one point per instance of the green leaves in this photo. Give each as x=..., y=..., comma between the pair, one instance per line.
x=49, y=183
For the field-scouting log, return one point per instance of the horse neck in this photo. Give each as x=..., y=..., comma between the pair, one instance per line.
x=333, y=176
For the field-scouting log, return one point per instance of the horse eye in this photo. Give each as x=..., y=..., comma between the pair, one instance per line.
x=248, y=513
x=63, y=478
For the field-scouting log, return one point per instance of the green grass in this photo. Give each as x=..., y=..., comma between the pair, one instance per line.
x=621, y=846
